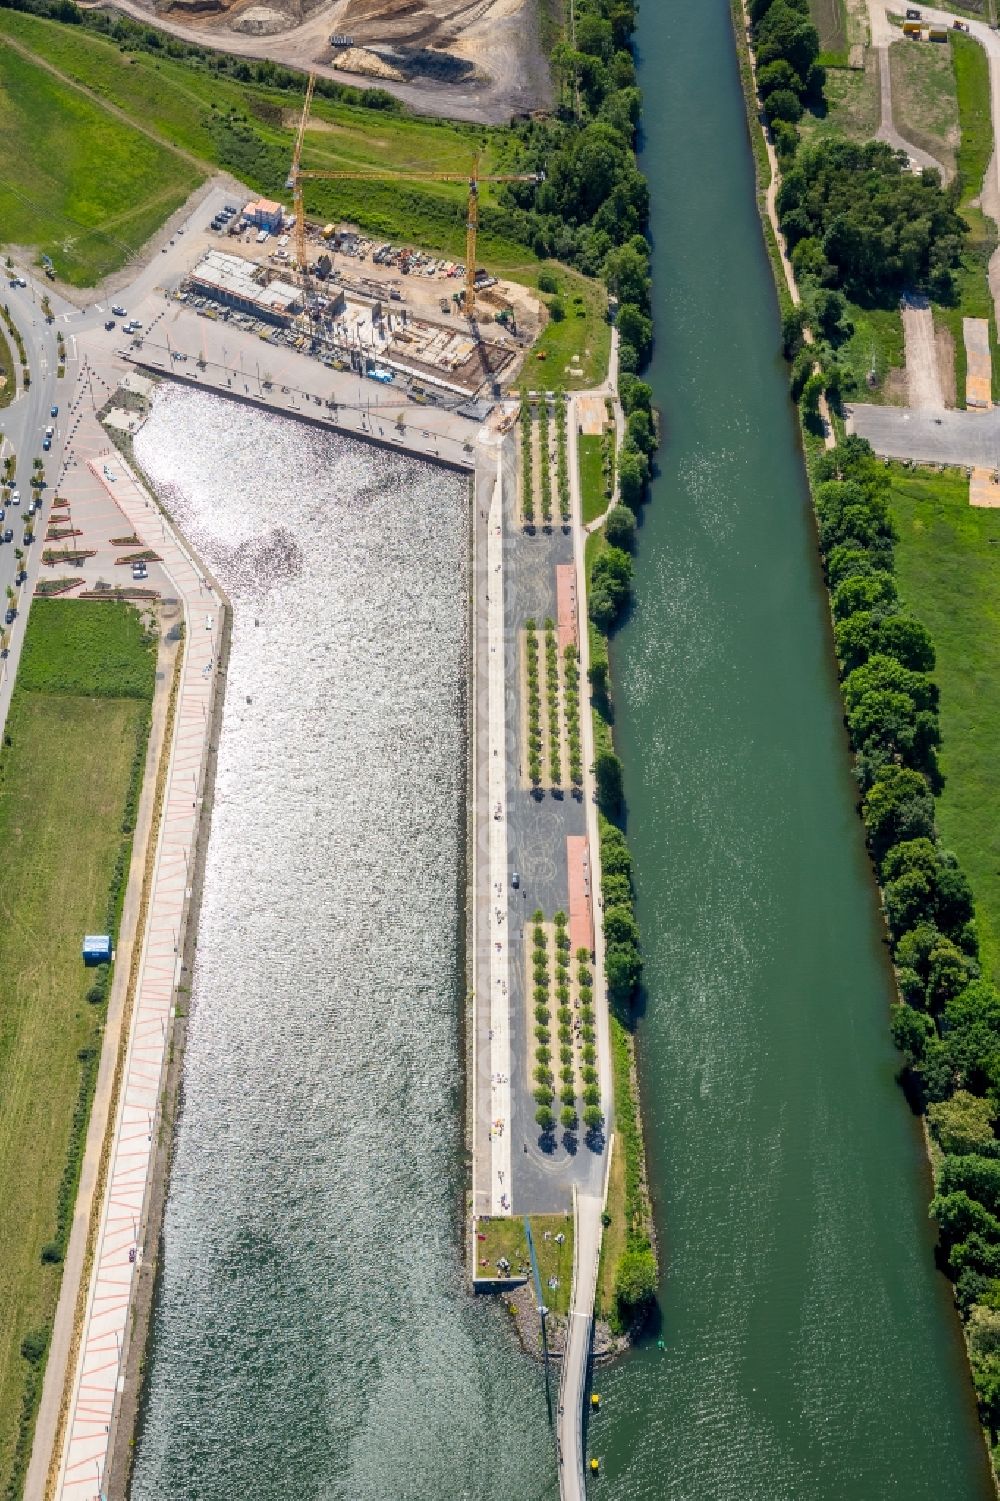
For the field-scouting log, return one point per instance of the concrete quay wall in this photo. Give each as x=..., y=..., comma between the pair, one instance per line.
x=455, y=450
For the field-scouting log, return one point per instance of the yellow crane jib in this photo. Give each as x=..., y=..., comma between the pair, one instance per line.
x=293, y=182
x=297, y=176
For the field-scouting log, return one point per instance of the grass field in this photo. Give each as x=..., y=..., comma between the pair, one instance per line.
x=876, y=344
x=947, y=562
x=506, y=1237
x=852, y=100
x=574, y=352
x=249, y=131
x=75, y=180
x=924, y=98
x=830, y=19
x=971, y=71
x=592, y=494
x=67, y=770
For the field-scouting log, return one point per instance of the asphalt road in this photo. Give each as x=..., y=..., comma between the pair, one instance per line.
x=23, y=426
x=969, y=439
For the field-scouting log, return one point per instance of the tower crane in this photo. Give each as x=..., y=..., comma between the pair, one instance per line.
x=297, y=176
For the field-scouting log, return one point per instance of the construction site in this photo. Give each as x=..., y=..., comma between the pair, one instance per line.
x=365, y=323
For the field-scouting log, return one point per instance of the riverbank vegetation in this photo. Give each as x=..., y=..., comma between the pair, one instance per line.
x=70, y=772
x=946, y=1018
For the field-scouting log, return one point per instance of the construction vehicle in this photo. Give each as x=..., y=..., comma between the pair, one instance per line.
x=297, y=176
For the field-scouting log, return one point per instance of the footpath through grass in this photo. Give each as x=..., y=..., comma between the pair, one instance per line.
x=76, y=180
x=948, y=568
x=70, y=768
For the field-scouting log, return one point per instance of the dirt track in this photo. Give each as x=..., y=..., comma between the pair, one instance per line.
x=500, y=40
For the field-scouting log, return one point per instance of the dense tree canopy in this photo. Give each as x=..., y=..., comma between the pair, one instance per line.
x=855, y=218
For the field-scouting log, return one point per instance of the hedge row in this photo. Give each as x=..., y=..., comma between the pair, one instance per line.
x=534, y=704
x=527, y=476
x=562, y=456
x=544, y=466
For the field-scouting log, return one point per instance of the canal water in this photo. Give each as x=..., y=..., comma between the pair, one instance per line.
x=313, y=1335
x=809, y=1350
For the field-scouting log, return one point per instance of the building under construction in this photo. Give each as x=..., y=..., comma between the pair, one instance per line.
x=242, y=284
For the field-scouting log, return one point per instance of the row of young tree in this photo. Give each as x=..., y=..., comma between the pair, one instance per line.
x=947, y=1021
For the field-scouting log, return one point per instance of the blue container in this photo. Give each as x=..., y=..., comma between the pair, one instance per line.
x=97, y=948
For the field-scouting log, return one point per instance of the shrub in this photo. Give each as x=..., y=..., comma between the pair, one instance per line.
x=635, y=1283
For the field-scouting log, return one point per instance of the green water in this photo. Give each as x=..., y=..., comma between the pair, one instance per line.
x=811, y=1350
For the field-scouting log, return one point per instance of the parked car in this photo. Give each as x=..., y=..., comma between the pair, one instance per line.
x=8, y=535
x=53, y=411
x=46, y=444
x=15, y=497
x=119, y=311
x=110, y=324
x=515, y=880
x=9, y=617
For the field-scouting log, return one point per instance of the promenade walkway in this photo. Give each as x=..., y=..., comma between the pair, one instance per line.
x=498, y=927
x=97, y=1377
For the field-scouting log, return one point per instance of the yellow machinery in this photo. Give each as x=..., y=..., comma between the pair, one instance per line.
x=296, y=177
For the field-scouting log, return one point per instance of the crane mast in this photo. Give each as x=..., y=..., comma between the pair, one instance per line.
x=297, y=176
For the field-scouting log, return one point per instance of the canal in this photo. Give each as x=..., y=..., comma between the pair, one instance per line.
x=809, y=1349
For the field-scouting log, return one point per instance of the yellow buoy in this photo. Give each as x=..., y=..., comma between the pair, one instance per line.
x=594, y=1466
x=595, y=1399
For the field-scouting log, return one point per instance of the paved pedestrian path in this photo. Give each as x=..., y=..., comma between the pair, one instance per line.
x=98, y=1375
x=573, y=1381
x=499, y=929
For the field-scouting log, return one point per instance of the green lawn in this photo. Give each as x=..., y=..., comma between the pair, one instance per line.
x=592, y=495
x=572, y=352
x=972, y=81
x=506, y=1237
x=948, y=567
x=74, y=180
x=876, y=344
x=924, y=98
x=852, y=103
x=67, y=780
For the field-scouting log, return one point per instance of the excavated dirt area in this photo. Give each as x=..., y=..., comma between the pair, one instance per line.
x=468, y=59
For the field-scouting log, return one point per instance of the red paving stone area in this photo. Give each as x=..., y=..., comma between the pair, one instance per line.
x=581, y=905
x=567, y=614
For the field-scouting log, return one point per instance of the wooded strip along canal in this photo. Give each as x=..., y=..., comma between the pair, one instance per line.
x=810, y=1349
